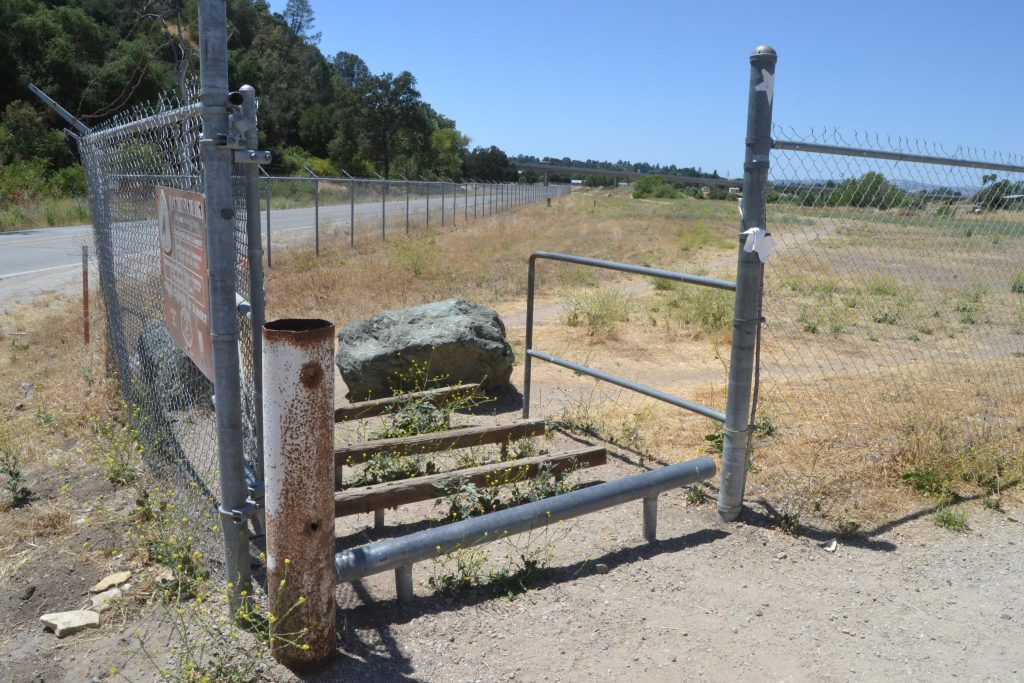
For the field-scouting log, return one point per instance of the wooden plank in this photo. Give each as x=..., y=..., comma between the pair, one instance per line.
x=439, y=441
x=393, y=493
x=382, y=406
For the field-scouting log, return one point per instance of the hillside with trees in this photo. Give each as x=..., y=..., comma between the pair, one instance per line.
x=100, y=57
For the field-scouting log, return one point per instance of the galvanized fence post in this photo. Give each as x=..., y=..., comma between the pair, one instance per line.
x=256, y=298
x=217, y=160
x=383, y=209
x=85, y=294
x=428, y=202
x=352, y=211
x=270, y=259
x=442, y=203
x=299, y=420
x=316, y=207
x=406, y=206
x=749, y=275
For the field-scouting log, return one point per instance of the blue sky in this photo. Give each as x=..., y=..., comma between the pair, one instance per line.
x=665, y=82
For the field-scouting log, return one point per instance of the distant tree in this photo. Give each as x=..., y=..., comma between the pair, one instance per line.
x=653, y=186
x=317, y=127
x=447, y=151
x=353, y=71
x=993, y=196
x=393, y=119
x=299, y=16
x=488, y=163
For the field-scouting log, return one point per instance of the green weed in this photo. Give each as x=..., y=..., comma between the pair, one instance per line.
x=707, y=310
x=879, y=284
x=1017, y=283
x=162, y=533
x=10, y=467
x=949, y=518
x=599, y=311
x=696, y=495
x=415, y=254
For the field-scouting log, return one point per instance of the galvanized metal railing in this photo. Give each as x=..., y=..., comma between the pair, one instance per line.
x=658, y=273
x=401, y=553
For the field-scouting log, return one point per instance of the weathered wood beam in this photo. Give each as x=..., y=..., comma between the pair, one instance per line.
x=417, y=489
x=381, y=406
x=439, y=441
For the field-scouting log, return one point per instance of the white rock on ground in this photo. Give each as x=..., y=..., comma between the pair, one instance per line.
x=66, y=623
x=108, y=582
x=101, y=602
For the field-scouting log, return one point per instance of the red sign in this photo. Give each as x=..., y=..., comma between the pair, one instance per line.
x=184, y=267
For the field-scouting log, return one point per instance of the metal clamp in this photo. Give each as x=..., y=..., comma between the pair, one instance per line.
x=239, y=515
x=250, y=156
x=256, y=489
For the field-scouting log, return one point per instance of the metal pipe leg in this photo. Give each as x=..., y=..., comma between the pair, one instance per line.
x=378, y=519
x=403, y=583
x=651, y=518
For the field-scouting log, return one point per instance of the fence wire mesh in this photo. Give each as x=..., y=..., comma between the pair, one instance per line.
x=125, y=160
x=894, y=308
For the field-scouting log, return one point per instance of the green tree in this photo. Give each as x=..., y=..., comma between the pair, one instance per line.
x=394, y=122
x=488, y=163
x=447, y=151
x=654, y=186
x=300, y=19
x=994, y=195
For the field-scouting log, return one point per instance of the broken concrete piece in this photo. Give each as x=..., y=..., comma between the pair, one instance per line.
x=108, y=582
x=101, y=602
x=66, y=623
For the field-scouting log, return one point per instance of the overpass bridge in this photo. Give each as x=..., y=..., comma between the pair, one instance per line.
x=631, y=176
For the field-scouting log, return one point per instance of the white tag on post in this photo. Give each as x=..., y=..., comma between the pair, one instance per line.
x=758, y=241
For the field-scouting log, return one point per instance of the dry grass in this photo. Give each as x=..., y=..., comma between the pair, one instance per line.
x=52, y=394
x=486, y=261
x=853, y=399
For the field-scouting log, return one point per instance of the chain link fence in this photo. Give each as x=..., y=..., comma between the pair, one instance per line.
x=894, y=308
x=353, y=211
x=125, y=161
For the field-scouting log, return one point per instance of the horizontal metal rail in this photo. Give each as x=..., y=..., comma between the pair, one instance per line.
x=626, y=384
x=815, y=148
x=532, y=353
x=158, y=120
x=401, y=553
x=637, y=270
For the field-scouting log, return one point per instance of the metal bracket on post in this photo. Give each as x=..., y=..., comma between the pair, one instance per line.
x=256, y=491
x=250, y=156
x=749, y=275
x=241, y=514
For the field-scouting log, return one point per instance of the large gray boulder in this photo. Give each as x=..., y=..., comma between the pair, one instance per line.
x=446, y=342
x=168, y=371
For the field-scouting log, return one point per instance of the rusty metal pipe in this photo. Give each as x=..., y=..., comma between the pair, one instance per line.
x=298, y=424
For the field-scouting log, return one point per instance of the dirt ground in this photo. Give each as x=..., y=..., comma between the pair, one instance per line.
x=717, y=602
x=903, y=600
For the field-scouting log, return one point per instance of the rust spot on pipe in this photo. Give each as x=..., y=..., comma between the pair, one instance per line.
x=311, y=375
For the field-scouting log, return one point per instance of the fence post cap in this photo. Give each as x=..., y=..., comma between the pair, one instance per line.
x=764, y=54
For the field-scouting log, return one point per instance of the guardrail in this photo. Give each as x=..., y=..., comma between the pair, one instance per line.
x=401, y=553
x=532, y=353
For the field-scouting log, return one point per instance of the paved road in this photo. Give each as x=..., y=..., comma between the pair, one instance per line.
x=35, y=261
